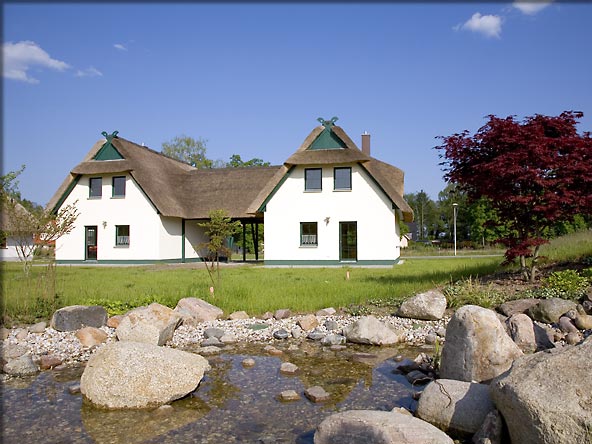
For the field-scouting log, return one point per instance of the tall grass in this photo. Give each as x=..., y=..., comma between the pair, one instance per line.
x=252, y=288
x=571, y=247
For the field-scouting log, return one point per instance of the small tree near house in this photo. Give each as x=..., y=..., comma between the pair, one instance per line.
x=218, y=228
x=534, y=174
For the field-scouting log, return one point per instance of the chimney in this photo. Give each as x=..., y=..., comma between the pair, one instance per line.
x=366, y=143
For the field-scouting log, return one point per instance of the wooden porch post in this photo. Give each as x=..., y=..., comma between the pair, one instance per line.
x=244, y=240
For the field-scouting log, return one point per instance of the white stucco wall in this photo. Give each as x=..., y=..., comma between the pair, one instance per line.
x=151, y=237
x=10, y=253
x=377, y=230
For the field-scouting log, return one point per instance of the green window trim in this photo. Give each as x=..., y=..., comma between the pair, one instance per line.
x=122, y=235
x=313, y=179
x=118, y=184
x=342, y=179
x=95, y=187
x=309, y=234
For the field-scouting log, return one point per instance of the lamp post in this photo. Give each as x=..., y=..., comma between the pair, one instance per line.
x=454, y=210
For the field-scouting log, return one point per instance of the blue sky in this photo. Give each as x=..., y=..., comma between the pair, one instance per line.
x=253, y=78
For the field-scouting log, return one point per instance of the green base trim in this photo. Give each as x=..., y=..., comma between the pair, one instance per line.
x=128, y=261
x=330, y=263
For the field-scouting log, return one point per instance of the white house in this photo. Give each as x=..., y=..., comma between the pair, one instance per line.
x=14, y=243
x=329, y=204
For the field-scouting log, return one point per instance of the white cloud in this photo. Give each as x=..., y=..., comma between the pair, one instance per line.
x=532, y=7
x=489, y=25
x=89, y=72
x=19, y=57
x=120, y=47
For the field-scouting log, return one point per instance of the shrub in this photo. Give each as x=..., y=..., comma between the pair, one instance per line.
x=471, y=292
x=567, y=284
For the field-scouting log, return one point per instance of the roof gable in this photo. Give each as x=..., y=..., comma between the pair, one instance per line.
x=108, y=151
x=327, y=139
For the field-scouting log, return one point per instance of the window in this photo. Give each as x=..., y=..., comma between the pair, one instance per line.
x=119, y=186
x=342, y=178
x=95, y=187
x=312, y=179
x=3, y=240
x=122, y=235
x=308, y=234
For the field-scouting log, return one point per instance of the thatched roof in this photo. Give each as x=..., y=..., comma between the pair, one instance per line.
x=6, y=223
x=177, y=189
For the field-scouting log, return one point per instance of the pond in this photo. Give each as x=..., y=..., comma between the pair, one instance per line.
x=232, y=404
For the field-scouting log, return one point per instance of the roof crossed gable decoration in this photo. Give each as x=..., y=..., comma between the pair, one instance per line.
x=108, y=151
x=327, y=139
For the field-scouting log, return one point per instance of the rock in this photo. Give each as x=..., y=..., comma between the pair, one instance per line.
x=39, y=327
x=297, y=332
x=333, y=339
x=477, y=347
x=21, y=333
x=209, y=350
x=114, y=321
x=154, y=324
x=402, y=410
x=228, y=338
x=281, y=334
x=429, y=306
x=288, y=368
x=248, y=362
x=331, y=325
x=139, y=375
x=12, y=351
x=544, y=336
x=431, y=338
x=550, y=310
x=4, y=333
x=377, y=427
x=21, y=366
x=330, y=311
x=417, y=377
x=74, y=389
x=194, y=311
x=282, y=313
x=91, y=336
x=491, y=431
x=521, y=331
x=308, y=322
x=566, y=325
x=517, y=306
x=238, y=315
x=47, y=362
x=289, y=395
x=272, y=350
x=583, y=320
x=547, y=397
x=315, y=335
x=211, y=341
x=573, y=338
x=587, y=307
x=369, y=330
x=456, y=407
x=75, y=317
x=213, y=332
x=267, y=315
x=316, y=394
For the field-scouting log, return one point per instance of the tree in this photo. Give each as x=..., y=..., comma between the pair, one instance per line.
x=425, y=213
x=534, y=173
x=218, y=229
x=188, y=150
x=237, y=162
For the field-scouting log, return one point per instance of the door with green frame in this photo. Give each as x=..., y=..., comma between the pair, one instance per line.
x=348, y=241
x=90, y=243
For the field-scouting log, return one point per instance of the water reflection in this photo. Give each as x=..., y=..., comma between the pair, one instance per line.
x=232, y=403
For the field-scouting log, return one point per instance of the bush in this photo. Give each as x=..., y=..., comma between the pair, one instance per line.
x=567, y=284
x=471, y=292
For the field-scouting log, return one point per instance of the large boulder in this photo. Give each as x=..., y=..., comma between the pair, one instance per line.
x=456, y=407
x=137, y=375
x=377, y=427
x=547, y=397
x=477, y=347
x=154, y=324
x=521, y=329
x=550, y=310
x=429, y=306
x=517, y=306
x=74, y=317
x=21, y=366
x=369, y=330
x=194, y=311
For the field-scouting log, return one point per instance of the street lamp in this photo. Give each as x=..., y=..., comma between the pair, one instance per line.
x=454, y=210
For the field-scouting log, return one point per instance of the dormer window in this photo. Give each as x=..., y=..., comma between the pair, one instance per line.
x=118, y=186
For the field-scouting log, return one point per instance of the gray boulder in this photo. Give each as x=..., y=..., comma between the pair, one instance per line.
x=154, y=324
x=550, y=310
x=547, y=397
x=456, y=407
x=137, y=375
x=429, y=306
x=194, y=311
x=477, y=347
x=369, y=330
x=377, y=427
x=521, y=329
x=75, y=317
x=517, y=306
x=492, y=430
x=21, y=366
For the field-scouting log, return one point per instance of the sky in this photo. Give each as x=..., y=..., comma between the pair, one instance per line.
x=252, y=79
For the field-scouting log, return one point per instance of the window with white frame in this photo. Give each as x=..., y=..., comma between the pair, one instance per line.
x=118, y=186
x=342, y=178
x=308, y=234
x=313, y=179
x=95, y=187
x=122, y=235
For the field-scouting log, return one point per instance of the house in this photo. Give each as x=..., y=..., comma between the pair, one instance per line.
x=329, y=204
x=16, y=241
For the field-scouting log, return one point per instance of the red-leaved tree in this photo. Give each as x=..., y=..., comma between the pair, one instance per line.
x=535, y=173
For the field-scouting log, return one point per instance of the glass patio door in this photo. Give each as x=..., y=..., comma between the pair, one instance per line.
x=348, y=241
x=91, y=243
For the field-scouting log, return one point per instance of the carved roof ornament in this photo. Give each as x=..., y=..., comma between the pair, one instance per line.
x=328, y=123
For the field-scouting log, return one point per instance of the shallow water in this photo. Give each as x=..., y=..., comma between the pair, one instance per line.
x=232, y=404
